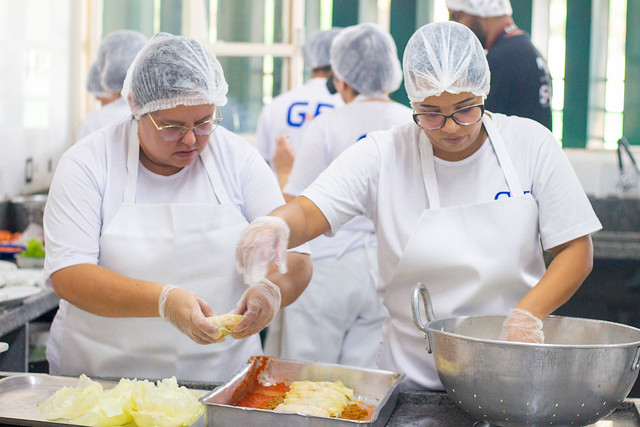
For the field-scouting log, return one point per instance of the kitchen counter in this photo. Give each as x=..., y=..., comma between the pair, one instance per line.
x=620, y=245
x=426, y=408
x=14, y=327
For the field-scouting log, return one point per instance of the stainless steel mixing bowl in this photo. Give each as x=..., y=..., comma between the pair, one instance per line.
x=583, y=371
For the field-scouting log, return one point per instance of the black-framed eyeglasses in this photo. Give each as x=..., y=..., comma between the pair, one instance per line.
x=464, y=117
x=175, y=132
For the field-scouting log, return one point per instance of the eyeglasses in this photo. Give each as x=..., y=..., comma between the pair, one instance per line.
x=174, y=132
x=464, y=117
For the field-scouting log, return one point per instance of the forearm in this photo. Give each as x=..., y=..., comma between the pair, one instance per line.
x=102, y=292
x=571, y=265
x=304, y=219
x=295, y=281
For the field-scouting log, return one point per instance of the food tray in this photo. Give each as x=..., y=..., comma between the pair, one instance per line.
x=374, y=387
x=20, y=394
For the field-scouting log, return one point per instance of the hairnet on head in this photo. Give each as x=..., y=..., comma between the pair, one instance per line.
x=444, y=57
x=316, y=50
x=482, y=8
x=115, y=55
x=173, y=70
x=365, y=57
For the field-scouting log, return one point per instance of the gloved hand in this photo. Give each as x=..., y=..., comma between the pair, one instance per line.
x=187, y=311
x=522, y=326
x=265, y=238
x=259, y=305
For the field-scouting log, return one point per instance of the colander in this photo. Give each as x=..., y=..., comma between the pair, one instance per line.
x=582, y=373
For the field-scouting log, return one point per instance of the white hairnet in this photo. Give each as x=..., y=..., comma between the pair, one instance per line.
x=482, y=8
x=444, y=57
x=365, y=57
x=173, y=70
x=115, y=55
x=316, y=50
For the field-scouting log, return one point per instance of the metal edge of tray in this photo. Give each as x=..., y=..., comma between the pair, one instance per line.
x=23, y=382
x=31, y=389
x=223, y=414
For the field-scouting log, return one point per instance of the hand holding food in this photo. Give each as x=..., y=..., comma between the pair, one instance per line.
x=265, y=239
x=187, y=311
x=226, y=323
x=522, y=326
x=259, y=304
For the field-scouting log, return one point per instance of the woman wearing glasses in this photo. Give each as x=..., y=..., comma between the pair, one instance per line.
x=141, y=224
x=462, y=200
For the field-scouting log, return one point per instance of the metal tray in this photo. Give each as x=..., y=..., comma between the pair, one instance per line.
x=20, y=395
x=374, y=387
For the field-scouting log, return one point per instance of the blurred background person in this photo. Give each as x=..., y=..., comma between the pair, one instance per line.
x=106, y=76
x=341, y=299
x=520, y=79
x=281, y=122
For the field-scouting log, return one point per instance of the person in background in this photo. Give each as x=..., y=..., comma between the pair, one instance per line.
x=520, y=79
x=139, y=223
x=106, y=75
x=281, y=122
x=463, y=200
x=366, y=69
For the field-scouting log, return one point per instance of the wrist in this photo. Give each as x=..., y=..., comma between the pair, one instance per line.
x=162, y=300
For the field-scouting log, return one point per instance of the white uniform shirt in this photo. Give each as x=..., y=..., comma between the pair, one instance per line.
x=88, y=187
x=381, y=178
x=289, y=111
x=111, y=113
x=327, y=136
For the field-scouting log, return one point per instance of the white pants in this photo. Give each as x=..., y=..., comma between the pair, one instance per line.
x=337, y=319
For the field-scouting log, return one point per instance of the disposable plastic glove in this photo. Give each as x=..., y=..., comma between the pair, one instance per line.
x=522, y=326
x=188, y=312
x=266, y=238
x=259, y=305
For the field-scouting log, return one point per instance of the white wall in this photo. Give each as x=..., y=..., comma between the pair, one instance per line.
x=599, y=173
x=35, y=70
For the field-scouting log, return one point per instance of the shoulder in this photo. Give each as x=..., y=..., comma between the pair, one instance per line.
x=523, y=135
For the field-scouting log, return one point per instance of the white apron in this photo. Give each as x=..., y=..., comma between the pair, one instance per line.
x=187, y=245
x=474, y=259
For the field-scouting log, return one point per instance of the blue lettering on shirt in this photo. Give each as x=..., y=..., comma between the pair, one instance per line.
x=361, y=137
x=507, y=193
x=299, y=116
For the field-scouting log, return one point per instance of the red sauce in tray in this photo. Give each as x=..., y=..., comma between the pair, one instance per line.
x=262, y=396
x=254, y=394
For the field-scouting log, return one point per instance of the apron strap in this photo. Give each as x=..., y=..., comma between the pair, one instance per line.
x=503, y=157
x=133, y=159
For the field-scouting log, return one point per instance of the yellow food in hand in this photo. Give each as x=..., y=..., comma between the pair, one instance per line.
x=131, y=403
x=226, y=323
x=322, y=398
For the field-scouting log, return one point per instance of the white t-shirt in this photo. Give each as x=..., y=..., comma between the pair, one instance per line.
x=326, y=137
x=88, y=188
x=381, y=178
x=288, y=113
x=111, y=113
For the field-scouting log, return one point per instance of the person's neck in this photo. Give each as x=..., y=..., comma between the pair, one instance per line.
x=494, y=27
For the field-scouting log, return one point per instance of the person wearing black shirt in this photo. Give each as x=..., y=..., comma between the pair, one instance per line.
x=520, y=79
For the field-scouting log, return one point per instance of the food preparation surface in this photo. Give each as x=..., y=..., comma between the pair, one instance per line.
x=21, y=393
x=413, y=408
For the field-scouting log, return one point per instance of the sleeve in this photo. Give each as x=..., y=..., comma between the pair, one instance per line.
x=312, y=157
x=349, y=186
x=564, y=210
x=72, y=218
